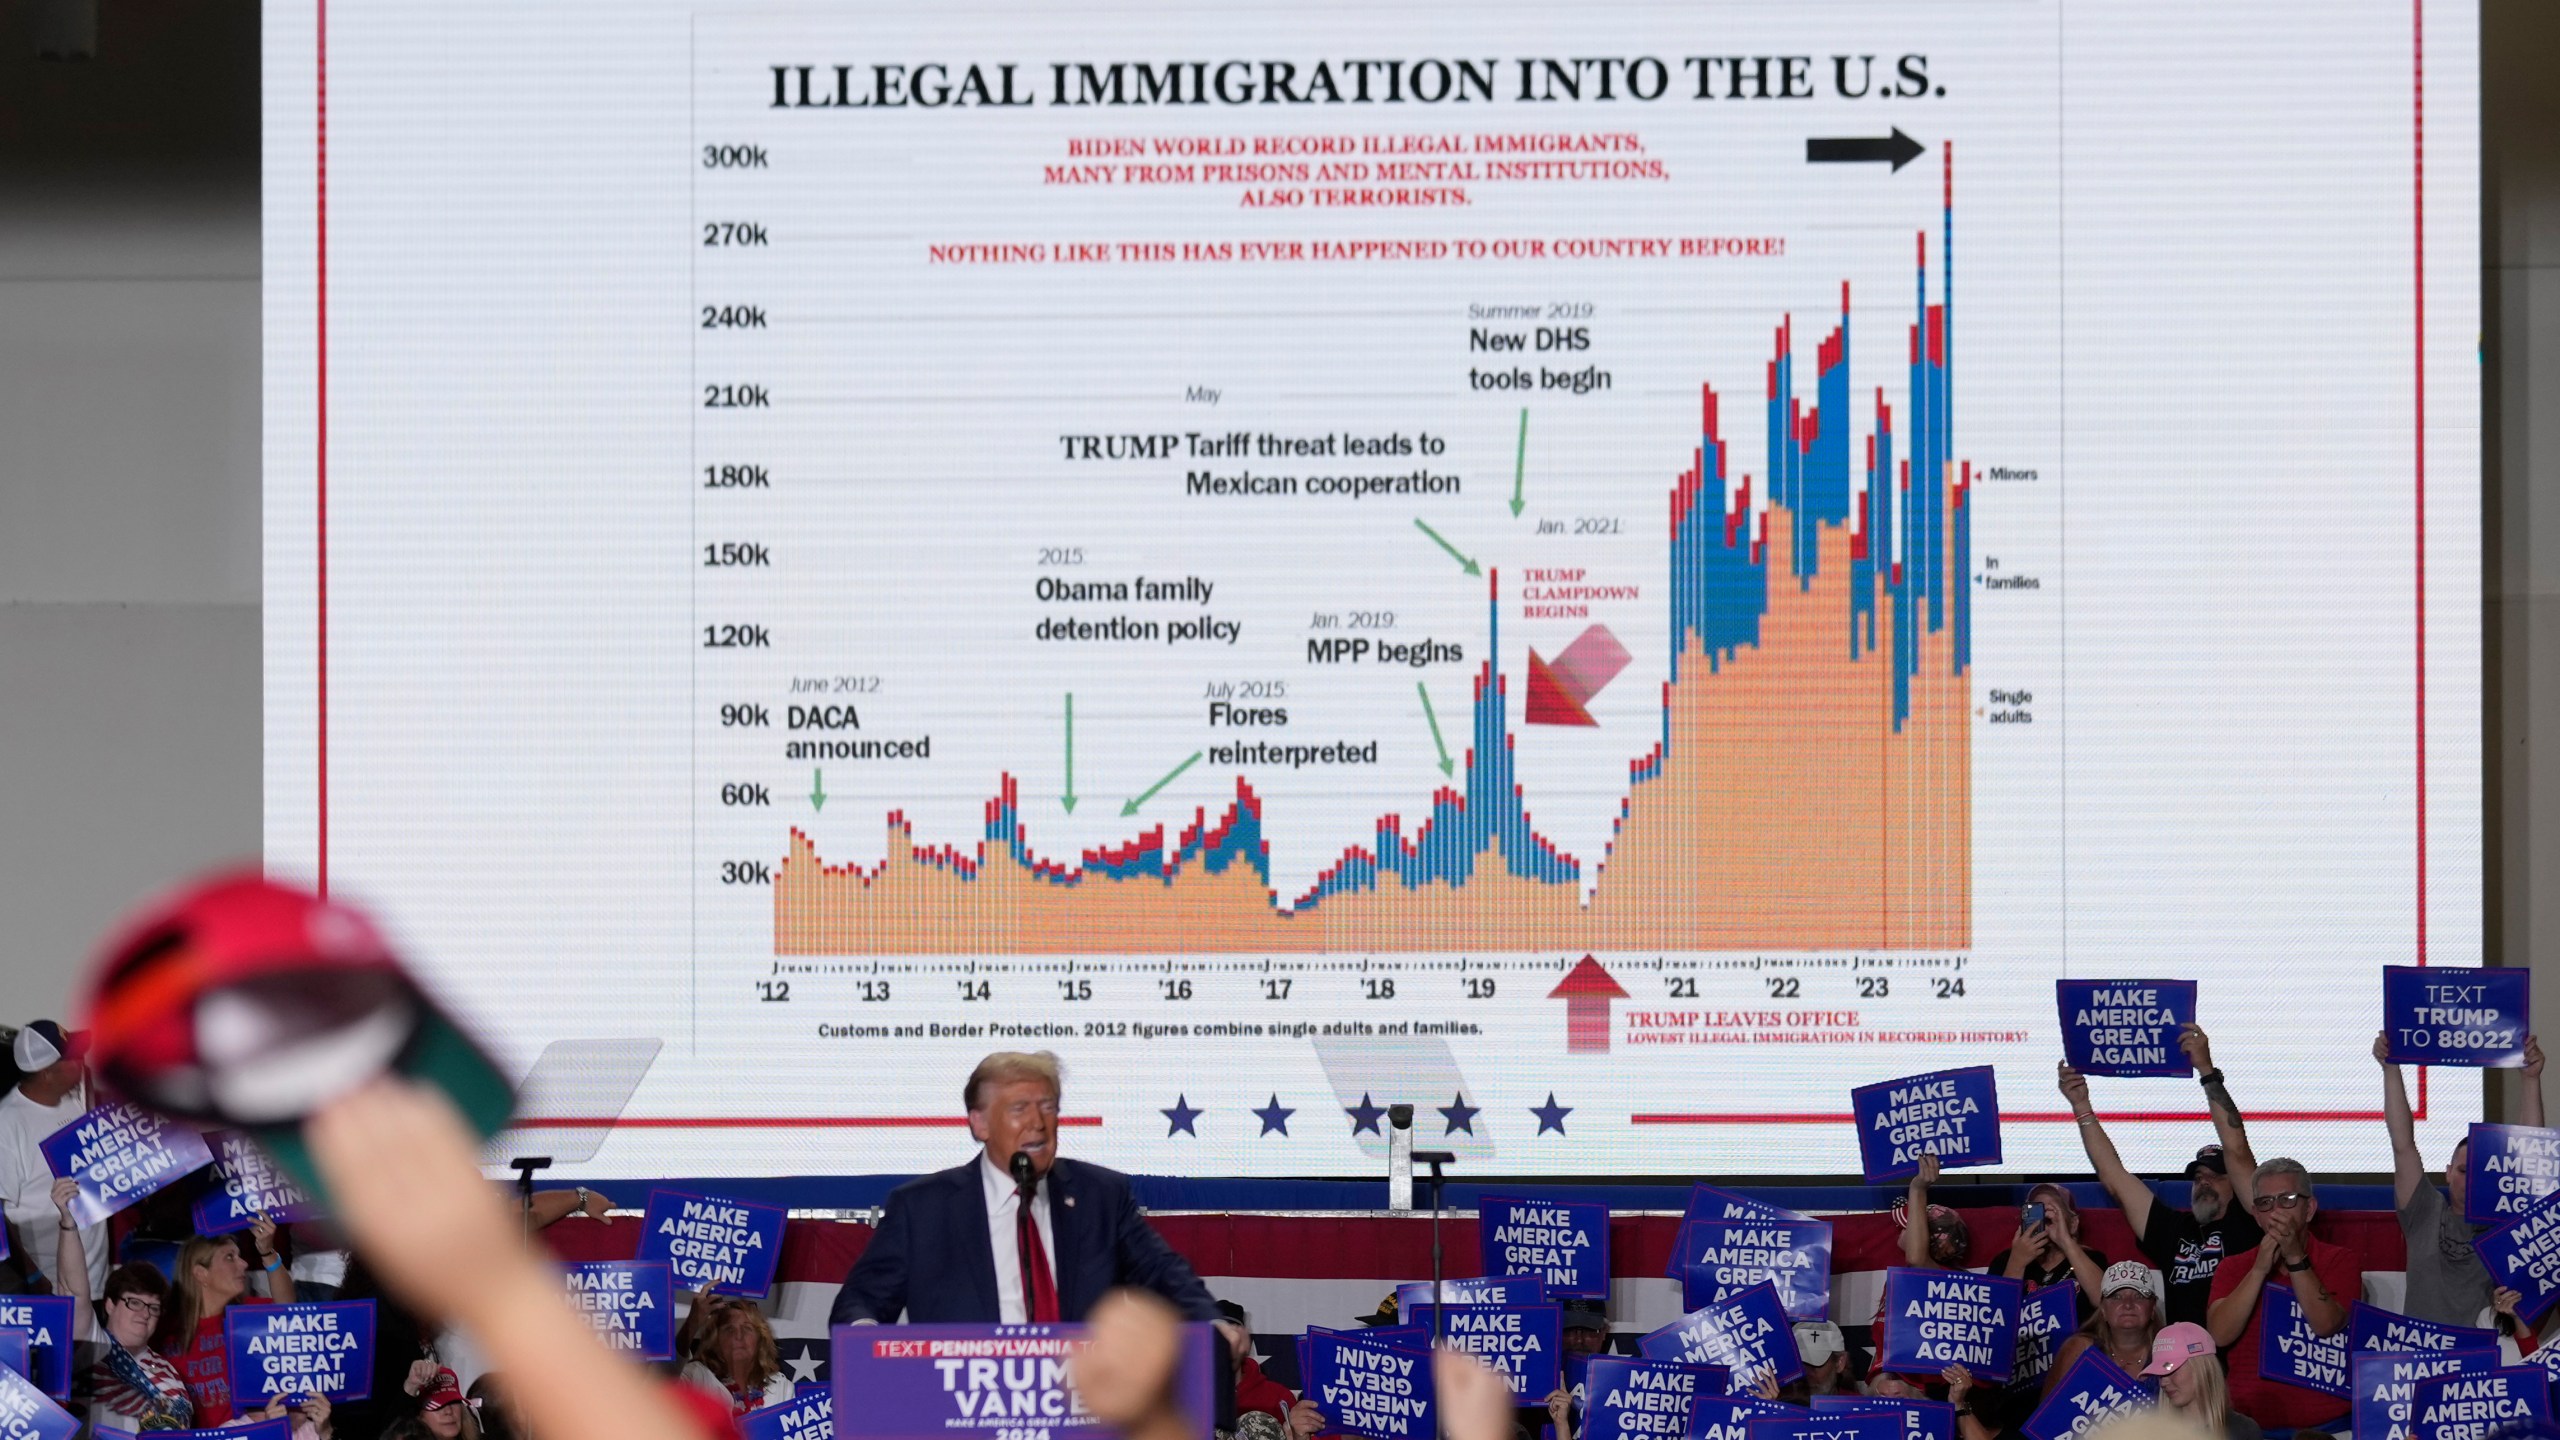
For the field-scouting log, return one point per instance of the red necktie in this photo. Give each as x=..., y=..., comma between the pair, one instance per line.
x=1039, y=1288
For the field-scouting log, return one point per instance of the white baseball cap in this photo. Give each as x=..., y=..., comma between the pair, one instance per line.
x=1818, y=1340
x=2131, y=1275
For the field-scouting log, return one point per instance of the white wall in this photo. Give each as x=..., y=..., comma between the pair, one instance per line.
x=129, y=413
x=2520, y=159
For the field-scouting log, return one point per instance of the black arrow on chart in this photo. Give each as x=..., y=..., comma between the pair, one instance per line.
x=1899, y=148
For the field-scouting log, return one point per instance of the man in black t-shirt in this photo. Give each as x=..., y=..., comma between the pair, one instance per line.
x=2185, y=1244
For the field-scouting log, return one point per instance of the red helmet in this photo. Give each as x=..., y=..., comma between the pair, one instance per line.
x=242, y=1001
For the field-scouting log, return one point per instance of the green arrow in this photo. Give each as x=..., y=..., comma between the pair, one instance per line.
x=1445, y=545
x=817, y=789
x=1520, y=464
x=1069, y=799
x=1132, y=807
x=1447, y=766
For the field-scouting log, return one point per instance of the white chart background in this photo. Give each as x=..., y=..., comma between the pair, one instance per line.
x=2185, y=298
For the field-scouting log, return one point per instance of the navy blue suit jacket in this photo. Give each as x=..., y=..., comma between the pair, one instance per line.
x=930, y=1261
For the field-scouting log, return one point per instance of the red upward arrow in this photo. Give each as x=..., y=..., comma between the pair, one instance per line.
x=1586, y=991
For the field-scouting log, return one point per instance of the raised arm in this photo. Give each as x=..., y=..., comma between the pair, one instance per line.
x=71, y=1261
x=2408, y=1171
x=2131, y=1195
x=1915, y=1229
x=2239, y=1161
x=401, y=1165
x=2529, y=1104
x=550, y=1207
x=262, y=1232
x=2084, y=1266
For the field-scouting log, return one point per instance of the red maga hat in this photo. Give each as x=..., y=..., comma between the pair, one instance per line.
x=241, y=1001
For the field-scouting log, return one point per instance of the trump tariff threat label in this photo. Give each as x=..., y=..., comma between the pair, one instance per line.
x=711, y=1244
x=296, y=1350
x=119, y=1153
x=998, y=1382
x=2125, y=1027
x=1952, y=1114
x=1564, y=1243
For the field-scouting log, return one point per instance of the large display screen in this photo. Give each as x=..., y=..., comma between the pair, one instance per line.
x=1608, y=572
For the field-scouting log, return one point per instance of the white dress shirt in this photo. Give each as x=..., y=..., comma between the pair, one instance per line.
x=1001, y=1202
x=26, y=1184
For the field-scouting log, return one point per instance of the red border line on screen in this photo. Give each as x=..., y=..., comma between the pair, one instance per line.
x=321, y=571
x=2418, y=183
x=770, y=1122
x=321, y=433
x=2009, y=1117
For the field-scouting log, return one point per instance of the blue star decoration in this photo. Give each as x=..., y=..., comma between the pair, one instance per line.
x=1274, y=1116
x=1551, y=1115
x=1460, y=1115
x=1178, y=1119
x=1365, y=1116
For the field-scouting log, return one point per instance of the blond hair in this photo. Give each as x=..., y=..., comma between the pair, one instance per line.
x=2213, y=1397
x=2162, y=1423
x=1007, y=1065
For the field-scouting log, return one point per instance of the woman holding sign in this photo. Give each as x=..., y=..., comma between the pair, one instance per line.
x=128, y=1386
x=212, y=1276
x=2125, y=1323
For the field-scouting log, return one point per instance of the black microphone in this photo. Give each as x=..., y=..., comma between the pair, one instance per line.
x=1025, y=1179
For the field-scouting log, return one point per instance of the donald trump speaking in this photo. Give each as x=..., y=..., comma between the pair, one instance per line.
x=1014, y=1234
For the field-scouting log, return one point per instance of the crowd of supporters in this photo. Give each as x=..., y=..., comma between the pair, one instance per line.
x=2185, y=1311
